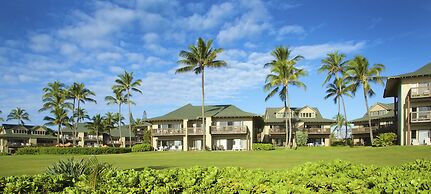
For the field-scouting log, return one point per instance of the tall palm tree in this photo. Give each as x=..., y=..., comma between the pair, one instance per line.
x=108, y=122
x=338, y=89
x=334, y=64
x=78, y=93
x=339, y=122
x=361, y=73
x=126, y=83
x=18, y=114
x=96, y=126
x=196, y=59
x=284, y=73
x=119, y=99
x=60, y=118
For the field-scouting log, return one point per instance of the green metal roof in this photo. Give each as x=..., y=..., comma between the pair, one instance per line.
x=7, y=133
x=270, y=116
x=81, y=128
x=124, y=132
x=391, y=88
x=191, y=112
x=20, y=135
x=388, y=106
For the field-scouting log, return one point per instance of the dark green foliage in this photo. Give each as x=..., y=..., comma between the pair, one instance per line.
x=71, y=166
x=385, y=139
x=301, y=138
x=321, y=177
x=263, y=146
x=3, y=154
x=72, y=150
x=145, y=147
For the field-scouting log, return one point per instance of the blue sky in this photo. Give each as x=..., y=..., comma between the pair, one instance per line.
x=93, y=41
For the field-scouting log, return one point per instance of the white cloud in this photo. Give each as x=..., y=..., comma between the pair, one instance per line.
x=41, y=43
x=108, y=56
x=316, y=51
x=291, y=29
x=116, y=69
x=151, y=37
x=216, y=14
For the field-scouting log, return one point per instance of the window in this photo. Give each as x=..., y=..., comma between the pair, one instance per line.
x=413, y=134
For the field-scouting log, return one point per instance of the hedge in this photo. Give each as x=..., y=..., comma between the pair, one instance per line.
x=263, y=146
x=321, y=177
x=71, y=150
x=145, y=147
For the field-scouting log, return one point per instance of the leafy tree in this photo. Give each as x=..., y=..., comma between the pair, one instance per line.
x=361, y=73
x=18, y=114
x=196, y=59
x=78, y=93
x=338, y=89
x=96, y=126
x=126, y=83
x=301, y=138
x=283, y=74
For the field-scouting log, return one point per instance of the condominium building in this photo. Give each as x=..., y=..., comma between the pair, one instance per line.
x=226, y=128
x=412, y=98
x=382, y=121
x=16, y=136
x=307, y=119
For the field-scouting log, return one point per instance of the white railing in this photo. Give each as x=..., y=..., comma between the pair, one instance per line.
x=421, y=116
x=228, y=129
x=195, y=131
x=420, y=92
x=167, y=132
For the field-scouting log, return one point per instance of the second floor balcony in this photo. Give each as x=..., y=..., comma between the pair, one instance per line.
x=277, y=130
x=228, y=129
x=317, y=130
x=420, y=92
x=195, y=131
x=421, y=116
x=168, y=132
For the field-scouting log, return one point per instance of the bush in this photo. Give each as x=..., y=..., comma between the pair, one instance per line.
x=71, y=150
x=4, y=154
x=301, y=138
x=385, y=139
x=321, y=177
x=263, y=146
x=142, y=148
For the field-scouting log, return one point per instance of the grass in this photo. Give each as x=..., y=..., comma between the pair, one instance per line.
x=277, y=159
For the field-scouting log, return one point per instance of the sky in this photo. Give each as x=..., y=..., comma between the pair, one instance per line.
x=94, y=41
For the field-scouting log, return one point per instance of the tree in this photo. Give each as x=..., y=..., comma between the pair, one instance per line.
x=338, y=89
x=78, y=94
x=60, y=118
x=283, y=72
x=118, y=99
x=18, y=114
x=196, y=59
x=96, y=126
x=108, y=122
x=126, y=83
x=1, y=119
x=361, y=73
x=338, y=125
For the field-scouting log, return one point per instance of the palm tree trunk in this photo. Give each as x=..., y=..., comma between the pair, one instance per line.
x=290, y=116
x=58, y=134
x=130, y=119
x=345, y=117
x=119, y=123
x=110, y=136
x=203, y=109
x=369, y=116
x=97, y=137
x=74, y=132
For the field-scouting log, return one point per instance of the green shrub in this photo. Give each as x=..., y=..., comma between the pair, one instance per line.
x=71, y=150
x=142, y=148
x=320, y=177
x=263, y=146
x=385, y=139
x=4, y=154
x=301, y=138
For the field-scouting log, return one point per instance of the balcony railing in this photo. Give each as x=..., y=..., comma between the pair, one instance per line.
x=421, y=116
x=362, y=130
x=317, y=130
x=277, y=130
x=195, y=131
x=92, y=138
x=168, y=132
x=228, y=130
x=420, y=92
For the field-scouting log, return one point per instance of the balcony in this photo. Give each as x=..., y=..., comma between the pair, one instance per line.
x=195, y=131
x=362, y=130
x=421, y=116
x=168, y=132
x=92, y=138
x=420, y=92
x=277, y=131
x=317, y=130
x=229, y=130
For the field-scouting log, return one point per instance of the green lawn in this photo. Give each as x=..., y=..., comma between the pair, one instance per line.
x=32, y=164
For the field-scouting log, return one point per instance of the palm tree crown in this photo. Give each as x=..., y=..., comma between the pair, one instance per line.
x=333, y=64
x=18, y=114
x=96, y=126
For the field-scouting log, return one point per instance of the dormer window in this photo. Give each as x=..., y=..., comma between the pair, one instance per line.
x=307, y=115
x=378, y=113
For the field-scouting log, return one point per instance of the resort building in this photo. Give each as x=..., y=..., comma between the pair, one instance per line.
x=87, y=138
x=382, y=121
x=307, y=119
x=16, y=136
x=412, y=99
x=227, y=128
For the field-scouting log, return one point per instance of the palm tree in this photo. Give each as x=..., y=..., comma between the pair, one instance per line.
x=333, y=64
x=118, y=99
x=196, y=59
x=18, y=114
x=79, y=94
x=96, y=126
x=361, y=73
x=338, y=89
x=338, y=125
x=1, y=119
x=126, y=83
x=108, y=122
x=284, y=73
x=60, y=118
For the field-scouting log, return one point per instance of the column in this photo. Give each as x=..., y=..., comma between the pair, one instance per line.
x=185, y=137
x=208, y=137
